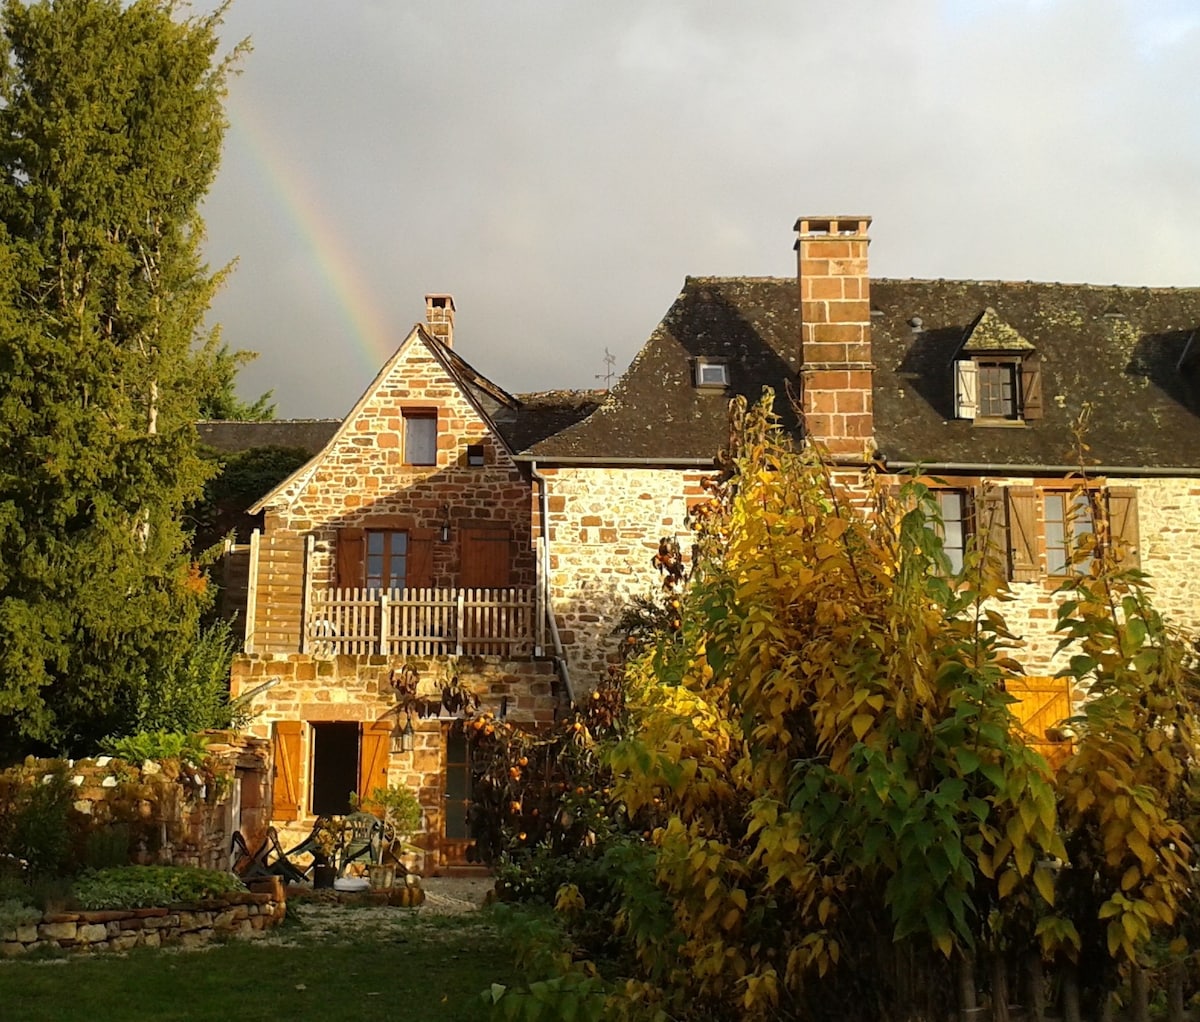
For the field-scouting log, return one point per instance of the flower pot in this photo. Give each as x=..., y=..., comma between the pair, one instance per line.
x=381, y=875
x=324, y=875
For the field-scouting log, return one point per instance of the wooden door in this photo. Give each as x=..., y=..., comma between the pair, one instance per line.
x=486, y=558
x=1042, y=704
x=456, y=835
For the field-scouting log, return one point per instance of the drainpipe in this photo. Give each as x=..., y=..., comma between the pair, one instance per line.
x=560, y=659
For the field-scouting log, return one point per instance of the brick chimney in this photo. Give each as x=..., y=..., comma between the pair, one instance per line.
x=439, y=318
x=835, y=333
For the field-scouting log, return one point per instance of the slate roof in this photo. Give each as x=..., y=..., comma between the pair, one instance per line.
x=306, y=434
x=1116, y=348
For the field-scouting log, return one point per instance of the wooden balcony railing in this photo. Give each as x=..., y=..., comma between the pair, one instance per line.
x=420, y=622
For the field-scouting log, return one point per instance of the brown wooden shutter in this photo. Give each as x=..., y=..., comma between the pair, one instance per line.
x=1022, y=532
x=373, y=752
x=285, y=777
x=419, y=569
x=1031, y=387
x=486, y=558
x=1123, y=525
x=351, y=550
x=989, y=527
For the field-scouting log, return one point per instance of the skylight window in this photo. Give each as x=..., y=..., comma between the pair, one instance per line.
x=711, y=374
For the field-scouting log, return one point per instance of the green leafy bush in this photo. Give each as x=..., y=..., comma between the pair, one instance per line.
x=33, y=821
x=150, y=886
x=193, y=693
x=156, y=746
x=15, y=912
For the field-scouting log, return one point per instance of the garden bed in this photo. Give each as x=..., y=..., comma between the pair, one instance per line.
x=237, y=914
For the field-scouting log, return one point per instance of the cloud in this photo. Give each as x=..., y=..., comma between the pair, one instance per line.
x=560, y=168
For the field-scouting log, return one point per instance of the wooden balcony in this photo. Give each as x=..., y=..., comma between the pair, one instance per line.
x=420, y=622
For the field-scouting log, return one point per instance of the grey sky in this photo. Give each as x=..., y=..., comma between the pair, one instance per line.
x=559, y=167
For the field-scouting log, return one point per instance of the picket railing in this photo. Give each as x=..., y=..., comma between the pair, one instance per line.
x=419, y=622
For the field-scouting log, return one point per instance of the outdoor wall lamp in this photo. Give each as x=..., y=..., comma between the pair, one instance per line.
x=445, y=531
x=403, y=739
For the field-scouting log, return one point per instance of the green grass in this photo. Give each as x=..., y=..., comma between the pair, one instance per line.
x=356, y=968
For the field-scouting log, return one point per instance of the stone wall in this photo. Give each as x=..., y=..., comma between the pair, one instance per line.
x=175, y=815
x=344, y=688
x=363, y=481
x=605, y=525
x=232, y=915
x=604, y=528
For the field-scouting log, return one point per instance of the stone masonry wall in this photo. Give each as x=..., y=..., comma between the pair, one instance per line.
x=346, y=688
x=1169, y=529
x=233, y=915
x=604, y=527
x=363, y=482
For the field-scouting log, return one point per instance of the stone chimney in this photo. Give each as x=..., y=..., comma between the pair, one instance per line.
x=439, y=318
x=835, y=333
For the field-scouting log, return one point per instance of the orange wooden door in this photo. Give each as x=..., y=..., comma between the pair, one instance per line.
x=1042, y=704
x=486, y=558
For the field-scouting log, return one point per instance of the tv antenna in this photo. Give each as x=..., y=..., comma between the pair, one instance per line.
x=610, y=369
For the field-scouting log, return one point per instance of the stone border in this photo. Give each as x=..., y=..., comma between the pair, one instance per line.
x=189, y=925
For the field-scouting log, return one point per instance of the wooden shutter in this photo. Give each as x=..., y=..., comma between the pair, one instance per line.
x=285, y=773
x=351, y=549
x=1022, y=532
x=1123, y=526
x=486, y=558
x=989, y=528
x=419, y=569
x=966, y=388
x=1042, y=705
x=1031, y=388
x=374, y=748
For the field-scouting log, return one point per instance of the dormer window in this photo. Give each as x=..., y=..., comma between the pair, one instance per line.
x=710, y=373
x=997, y=374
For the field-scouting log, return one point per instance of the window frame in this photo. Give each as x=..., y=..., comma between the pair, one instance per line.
x=1010, y=403
x=722, y=368
x=964, y=522
x=1025, y=380
x=410, y=417
x=389, y=558
x=1076, y=525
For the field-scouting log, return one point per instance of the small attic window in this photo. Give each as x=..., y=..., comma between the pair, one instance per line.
x=711, y=374
x=997, y=374
x=475, y=456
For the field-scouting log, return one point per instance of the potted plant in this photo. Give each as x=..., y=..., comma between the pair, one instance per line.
x=402, y=815
x=328, y=838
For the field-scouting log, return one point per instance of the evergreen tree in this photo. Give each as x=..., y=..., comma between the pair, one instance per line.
x=110, y=133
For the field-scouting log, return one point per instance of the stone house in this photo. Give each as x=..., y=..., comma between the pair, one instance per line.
x=511, y=530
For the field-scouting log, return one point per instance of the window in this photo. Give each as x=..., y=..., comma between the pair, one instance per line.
x=387, y=559
x=1033, y=533
x=1066, y=526
x=475, y=456
x=997, y=390
x=711, y=374
x=420, y=438
x=952, y=505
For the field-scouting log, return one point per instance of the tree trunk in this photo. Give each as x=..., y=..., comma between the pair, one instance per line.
x=1037, y=987
x=1175, y=975
x=1070, y=993
x=1139, y=983
x=999, y=988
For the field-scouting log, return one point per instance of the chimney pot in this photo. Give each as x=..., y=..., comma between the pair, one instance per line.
x=439, y=317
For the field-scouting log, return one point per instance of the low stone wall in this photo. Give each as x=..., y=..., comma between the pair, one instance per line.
x=234, y=915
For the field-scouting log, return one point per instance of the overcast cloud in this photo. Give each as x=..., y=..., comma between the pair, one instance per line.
x=560, y=167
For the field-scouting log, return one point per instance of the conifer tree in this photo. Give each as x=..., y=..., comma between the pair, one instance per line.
x=110, y=133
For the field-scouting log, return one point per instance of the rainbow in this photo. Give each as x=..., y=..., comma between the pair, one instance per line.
x=374, y=338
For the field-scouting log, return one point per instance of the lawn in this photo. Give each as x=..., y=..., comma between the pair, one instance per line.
x=330, y=964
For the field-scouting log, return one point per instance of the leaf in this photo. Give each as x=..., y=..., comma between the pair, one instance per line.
x=1044, y=882
x=1008, y=881
x=861, y=724
x=1132, y=875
